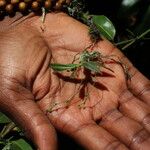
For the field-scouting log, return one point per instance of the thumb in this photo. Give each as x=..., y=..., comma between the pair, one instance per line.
x=20, y=106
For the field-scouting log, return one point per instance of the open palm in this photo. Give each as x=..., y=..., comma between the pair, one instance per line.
x=115, y=114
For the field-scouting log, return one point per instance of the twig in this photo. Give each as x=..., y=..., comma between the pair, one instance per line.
x=132, y=41
x=7, y=129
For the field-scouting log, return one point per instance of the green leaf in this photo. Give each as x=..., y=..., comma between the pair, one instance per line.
x=20, y=144
x=2, y=142
x=63, y=67
x=4, y=118
x=7, y=147
x=92, y=66
x=128, y=7
x=105, y=26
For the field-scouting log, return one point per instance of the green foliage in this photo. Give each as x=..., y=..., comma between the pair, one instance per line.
x=4, y=119
x=99, y=25
x=11, y=137
x=134, y=17
x=125, y=44
x=92, y=66
x=91, y=61
x=76, y=9
x=63, y=67
x=104, y=26
x=20, y=144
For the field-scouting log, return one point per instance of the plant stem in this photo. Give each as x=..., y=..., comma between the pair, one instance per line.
x=132, y=41
x=127, y=45
x=85, y=18
x=43, y=15
x=7, y=129
x=143, y=34
x=146, y=38
x=123, y=42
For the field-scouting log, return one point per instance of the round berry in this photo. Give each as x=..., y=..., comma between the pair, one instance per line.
x=58, y=5
x=35, y=6
x=48, y=4
x=2, y=3
x=22, y=6
x=9, y=8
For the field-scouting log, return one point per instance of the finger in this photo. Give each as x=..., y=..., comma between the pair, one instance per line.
x=127, y=130
x=24, y=111
x=85, y=131
x=93, y=137
x=139, y=84
x=135, y=109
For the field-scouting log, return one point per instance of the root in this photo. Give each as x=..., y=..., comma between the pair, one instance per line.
x=90, y=63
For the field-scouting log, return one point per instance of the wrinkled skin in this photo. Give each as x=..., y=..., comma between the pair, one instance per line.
x=116, y=114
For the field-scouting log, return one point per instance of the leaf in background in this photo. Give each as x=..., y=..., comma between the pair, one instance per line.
x=105, y=26
x=4, y=118
x=129, y=3
x=63, y=67
x=7, y=147
x=145, y=22
x=128, y=7
x=128, y=12
x=92, y=66
x=20, y=144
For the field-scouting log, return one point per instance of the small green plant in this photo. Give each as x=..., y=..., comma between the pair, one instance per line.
x=88, y=60
x=90, y=64
x=92, y=61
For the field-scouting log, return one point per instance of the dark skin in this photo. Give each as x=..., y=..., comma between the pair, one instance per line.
x=117, y=114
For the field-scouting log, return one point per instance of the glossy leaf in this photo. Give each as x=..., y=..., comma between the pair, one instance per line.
x=129, y=3
x=63, y=67
x=4, y=118
x=105, y=26
x=127, y=10
x=128, y=6
x=92, y=66
x=20, y=144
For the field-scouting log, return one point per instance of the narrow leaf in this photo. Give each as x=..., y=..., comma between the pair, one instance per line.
x=4, y=118
x=63, y=67
x=105, y=26
x=92, y=66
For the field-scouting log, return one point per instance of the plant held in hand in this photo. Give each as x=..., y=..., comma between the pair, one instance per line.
x=88, y=63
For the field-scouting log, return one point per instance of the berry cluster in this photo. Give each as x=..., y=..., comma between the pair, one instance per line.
x=9, y=7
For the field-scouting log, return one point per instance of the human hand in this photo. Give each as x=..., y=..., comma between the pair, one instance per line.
x=114, y=117
x=24, y=57
x=116, y=114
